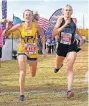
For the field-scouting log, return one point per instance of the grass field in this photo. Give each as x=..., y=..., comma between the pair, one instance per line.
x=47, y=88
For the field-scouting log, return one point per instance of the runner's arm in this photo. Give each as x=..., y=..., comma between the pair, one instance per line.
x=80, y=36
x=78, y=33
x=8, y=31
x=39, y=29
x=57, y=29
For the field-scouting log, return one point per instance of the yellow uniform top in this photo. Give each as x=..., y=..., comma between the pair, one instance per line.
x=27, y=38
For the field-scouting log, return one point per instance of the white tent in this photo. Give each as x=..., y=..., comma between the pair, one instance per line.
x=8, y=48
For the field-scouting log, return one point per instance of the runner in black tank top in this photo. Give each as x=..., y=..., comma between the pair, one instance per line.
x=67, y=43
x=65, y=28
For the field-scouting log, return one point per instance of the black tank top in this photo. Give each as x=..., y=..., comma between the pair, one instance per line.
x=70, y=28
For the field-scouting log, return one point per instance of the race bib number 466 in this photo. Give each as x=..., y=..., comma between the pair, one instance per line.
x=30, y=48
x=66, y=38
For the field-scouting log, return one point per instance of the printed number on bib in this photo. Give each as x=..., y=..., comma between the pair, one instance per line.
x=66, y=38
x=30, y=48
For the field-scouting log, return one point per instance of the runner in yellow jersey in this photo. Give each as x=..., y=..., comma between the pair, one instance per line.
x=28, y=43
x=27, y=48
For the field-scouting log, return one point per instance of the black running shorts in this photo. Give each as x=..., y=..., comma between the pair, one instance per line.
x=63, y=49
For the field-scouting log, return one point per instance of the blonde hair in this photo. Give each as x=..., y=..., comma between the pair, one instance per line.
x=28, y=10
x=35, y=15
x=67, y=6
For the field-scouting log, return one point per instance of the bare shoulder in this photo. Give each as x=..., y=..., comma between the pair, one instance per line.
x=59, y=18
x=18, y=26
x=59, y=21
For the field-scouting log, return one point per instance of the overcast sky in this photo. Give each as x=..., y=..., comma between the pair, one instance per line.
x=47, y=7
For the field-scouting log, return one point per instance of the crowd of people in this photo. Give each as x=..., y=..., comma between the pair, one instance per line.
x=62, y=39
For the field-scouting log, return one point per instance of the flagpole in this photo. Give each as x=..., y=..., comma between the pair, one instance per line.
x=83, y=21
x=12, y=39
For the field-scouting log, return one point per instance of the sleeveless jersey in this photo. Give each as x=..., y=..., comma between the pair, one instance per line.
x=67, y=34
x=28, y=41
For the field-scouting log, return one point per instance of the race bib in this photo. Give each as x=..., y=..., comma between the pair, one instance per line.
x=66, y=38
x=30, y=48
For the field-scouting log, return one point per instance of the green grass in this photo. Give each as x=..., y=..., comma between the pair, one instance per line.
x=47, y=88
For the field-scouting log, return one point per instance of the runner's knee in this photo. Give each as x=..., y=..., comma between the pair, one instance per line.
x=22, y=73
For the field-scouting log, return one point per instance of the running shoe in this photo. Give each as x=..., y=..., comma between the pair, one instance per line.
x=21, y=98
x=56, y=70
x=70, y=94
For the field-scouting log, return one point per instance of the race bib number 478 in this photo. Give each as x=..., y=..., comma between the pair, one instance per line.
x=30, y=48
x=66, y=38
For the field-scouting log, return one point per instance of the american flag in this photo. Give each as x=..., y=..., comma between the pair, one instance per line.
x=44, y=23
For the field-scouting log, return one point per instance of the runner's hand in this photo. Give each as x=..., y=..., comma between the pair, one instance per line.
x=82, y=42
x=67, y=22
